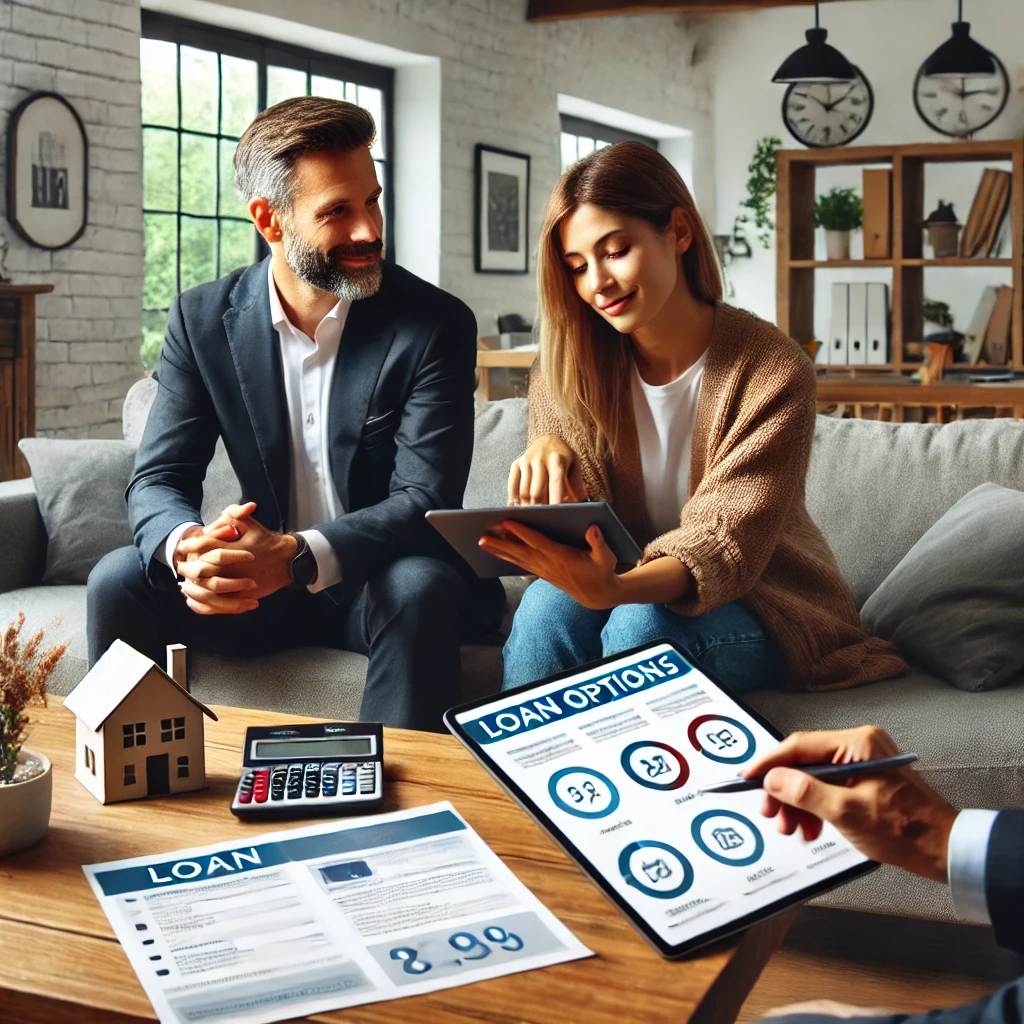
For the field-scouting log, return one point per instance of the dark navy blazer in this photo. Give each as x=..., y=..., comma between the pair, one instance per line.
x=400, y=422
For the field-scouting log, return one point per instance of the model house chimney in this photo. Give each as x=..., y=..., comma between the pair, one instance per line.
x=176, y=667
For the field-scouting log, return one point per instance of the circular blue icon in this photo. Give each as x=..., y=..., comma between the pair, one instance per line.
x=722, y=739
x=584, y=792
x=728, y=838
x=656, y=869
x=655, y=765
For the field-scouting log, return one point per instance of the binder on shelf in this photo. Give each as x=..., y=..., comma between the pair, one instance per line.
x=839, y=325
x=877, y=190
x=856, y=334
x=997, y=337
x=974, y=338
x=878, y=324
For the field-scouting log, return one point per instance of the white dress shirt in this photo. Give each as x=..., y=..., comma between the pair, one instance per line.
x=968, y=851
x=308, y=365
x=665, y=415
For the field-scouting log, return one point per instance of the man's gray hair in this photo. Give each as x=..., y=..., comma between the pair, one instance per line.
x=276, y=138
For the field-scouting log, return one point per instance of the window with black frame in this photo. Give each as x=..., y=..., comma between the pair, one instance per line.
x=580, y=137
x=201, y=86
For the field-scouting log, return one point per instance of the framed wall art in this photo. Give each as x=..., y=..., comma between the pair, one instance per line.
x=47, y=171
x=502, y=196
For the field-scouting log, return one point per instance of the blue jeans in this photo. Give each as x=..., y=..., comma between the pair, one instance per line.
x=552, y=633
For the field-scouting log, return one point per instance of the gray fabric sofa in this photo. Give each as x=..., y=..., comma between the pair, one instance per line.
x=873, y=488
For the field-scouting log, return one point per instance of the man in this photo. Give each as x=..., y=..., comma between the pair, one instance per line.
x=343, y=389
x=895, y=818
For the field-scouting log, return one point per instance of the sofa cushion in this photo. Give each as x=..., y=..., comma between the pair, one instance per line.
x=60, y=612
x=80, y=489
x=135, y=410
x=953, y=604
x=500, y=438
x=875, y=488
x=220, y=486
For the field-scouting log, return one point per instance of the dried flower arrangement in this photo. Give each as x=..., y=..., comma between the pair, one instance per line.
x=24, y=671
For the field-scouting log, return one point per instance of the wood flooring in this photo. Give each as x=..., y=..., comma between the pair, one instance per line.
x=903, y=964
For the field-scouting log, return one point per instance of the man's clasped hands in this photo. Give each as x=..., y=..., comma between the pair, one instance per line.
x=227, y=566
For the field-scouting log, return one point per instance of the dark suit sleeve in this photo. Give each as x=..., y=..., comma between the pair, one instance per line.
x=434, y=448
x=1004, y=879
x=167, y=486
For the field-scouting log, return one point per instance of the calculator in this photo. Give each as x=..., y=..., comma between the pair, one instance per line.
x=302, y=770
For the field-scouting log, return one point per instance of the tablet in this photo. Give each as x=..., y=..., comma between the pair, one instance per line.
x=567, y=524
x=609, y=758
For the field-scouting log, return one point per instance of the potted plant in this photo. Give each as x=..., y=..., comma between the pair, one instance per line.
x=26, y=781
x=839, y=212
x=761, y=189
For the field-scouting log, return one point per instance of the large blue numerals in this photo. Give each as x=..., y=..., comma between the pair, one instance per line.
x=507, y=940
x=468, y=944
x=473, y=948
x=411, y=963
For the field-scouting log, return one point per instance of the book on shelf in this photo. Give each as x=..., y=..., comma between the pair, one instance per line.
x=974, y=338
x=996, y=214
x=997, y=335
x=877, y=192
x=988, y=211
x=971, y=231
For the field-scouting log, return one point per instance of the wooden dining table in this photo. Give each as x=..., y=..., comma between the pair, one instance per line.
x=60, y=960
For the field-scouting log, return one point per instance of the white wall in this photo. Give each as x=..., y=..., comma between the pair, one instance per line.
x=888, y=40
x=89, y=326
x=499, y=78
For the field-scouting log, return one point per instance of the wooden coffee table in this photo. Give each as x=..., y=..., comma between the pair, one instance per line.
x=59, y=960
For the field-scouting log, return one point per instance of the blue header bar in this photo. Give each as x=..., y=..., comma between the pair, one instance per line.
x=602, y=687
x=214, y=866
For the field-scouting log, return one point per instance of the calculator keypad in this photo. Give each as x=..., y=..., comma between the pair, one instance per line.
x=309, y=783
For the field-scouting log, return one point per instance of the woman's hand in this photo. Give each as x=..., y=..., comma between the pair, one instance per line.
x=587, y=576
x=547, y=473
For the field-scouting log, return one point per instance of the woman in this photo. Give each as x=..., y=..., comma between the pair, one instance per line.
x=694, y=419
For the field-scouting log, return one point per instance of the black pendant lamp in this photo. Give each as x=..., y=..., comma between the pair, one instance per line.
x=959, y=56
x=816, y=61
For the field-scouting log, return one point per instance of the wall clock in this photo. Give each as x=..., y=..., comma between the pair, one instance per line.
x=961, y=106
x=821, y=115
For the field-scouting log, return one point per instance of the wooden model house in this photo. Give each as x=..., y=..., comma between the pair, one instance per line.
x=139, y=730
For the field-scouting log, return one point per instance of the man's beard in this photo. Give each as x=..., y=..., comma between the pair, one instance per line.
x=321, y=270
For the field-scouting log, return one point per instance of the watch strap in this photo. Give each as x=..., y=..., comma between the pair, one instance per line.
x=303, y=565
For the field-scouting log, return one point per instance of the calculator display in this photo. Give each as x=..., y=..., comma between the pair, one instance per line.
x=335, y=746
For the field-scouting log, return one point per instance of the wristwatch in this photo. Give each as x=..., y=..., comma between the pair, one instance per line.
x=303, y=567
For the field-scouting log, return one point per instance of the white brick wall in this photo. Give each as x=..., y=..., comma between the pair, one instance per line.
x=500, y=80
x=89, y=326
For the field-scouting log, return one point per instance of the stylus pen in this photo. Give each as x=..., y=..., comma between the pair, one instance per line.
x=827, y=772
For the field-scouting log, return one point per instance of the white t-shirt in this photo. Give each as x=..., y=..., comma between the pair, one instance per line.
x=665, y=416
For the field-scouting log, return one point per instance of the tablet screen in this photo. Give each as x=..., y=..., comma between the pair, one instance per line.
x=610, y=760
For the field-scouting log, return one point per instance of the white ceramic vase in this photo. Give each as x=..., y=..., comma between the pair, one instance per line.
x=837, y=245
x=25, y=808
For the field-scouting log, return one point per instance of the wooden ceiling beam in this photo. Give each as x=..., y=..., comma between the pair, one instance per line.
x=561, y=10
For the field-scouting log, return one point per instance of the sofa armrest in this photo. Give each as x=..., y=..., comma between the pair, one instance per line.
x=23, y=543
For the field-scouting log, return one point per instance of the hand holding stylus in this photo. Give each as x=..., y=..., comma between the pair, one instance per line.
x=892, y=816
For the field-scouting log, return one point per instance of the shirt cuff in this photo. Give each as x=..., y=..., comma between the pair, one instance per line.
x=165, y=554
x=968, y=851
x=328, y=566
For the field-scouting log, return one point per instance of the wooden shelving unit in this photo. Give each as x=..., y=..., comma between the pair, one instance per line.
x=795, y=235
x=17, y=373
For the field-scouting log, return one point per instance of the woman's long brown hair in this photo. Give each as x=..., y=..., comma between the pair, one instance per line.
x=585, y=361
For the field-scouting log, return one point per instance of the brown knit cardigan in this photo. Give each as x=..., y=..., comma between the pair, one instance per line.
x=745, y=532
